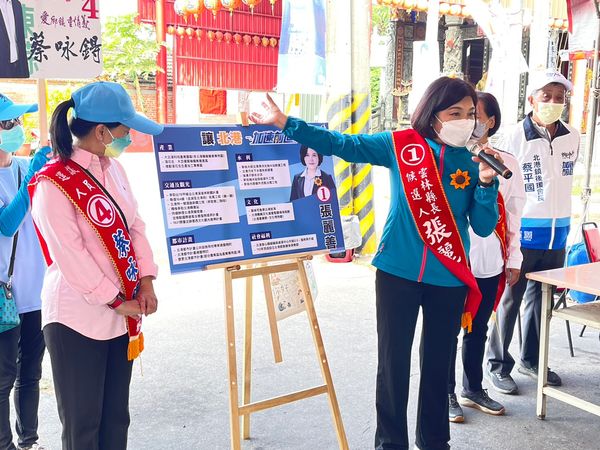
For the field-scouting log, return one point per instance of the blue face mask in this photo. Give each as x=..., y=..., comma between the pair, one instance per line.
x=117, y=146
x=12, y=140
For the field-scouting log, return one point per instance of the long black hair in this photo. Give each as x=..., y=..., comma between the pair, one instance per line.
x=439, y=95
x=62, y=130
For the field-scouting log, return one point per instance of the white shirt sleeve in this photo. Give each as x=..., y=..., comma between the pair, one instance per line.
x=514, y=198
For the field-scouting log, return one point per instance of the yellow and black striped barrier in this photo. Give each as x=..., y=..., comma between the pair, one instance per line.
x=351, y=114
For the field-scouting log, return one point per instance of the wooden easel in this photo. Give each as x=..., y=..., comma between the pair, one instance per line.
x=248, y=270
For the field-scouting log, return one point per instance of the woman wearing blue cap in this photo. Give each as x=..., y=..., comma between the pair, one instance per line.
x=100, y=265
x=21, y=347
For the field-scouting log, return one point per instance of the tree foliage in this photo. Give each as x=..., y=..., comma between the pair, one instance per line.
x=129, y=50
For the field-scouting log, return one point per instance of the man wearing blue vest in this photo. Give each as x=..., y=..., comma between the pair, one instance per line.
x=547, y=148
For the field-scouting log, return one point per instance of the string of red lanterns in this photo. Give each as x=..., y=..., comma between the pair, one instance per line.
x=226, y=37
x=454, y=9
x=185, y=8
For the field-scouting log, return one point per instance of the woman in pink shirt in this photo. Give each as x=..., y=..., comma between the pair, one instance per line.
x=100, y=265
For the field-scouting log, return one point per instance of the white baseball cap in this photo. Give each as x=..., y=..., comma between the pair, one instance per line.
x=541, y=78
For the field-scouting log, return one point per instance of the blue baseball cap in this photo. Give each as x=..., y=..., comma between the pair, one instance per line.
x=9, y=110
x=106, y=102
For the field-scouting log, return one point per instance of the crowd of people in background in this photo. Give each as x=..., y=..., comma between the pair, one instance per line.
x=454, y=263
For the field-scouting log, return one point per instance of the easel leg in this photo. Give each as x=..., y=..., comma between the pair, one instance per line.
x=318, y=340
x=233, y=383
x=272, y=319
x=247, y=358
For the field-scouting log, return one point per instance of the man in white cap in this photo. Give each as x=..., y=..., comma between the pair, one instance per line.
x=547, y=148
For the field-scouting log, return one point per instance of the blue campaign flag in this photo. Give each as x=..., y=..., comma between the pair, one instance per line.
x=231, y=193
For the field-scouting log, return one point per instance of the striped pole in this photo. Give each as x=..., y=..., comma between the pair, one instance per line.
x=351, y=115
x=348, y=107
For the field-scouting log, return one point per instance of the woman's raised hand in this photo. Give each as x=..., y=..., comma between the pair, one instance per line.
x=271, y=115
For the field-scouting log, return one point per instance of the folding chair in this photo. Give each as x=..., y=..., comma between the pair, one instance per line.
x=591, y=237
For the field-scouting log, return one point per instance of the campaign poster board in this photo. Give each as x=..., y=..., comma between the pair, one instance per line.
x=50, y=39
x=231, y=193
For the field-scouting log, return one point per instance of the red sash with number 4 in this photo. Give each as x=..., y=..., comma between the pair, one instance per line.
x=90, y=199
x=500, y=231
x=432, y=214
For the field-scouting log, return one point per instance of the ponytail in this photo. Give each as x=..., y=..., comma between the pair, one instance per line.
x=60, y=133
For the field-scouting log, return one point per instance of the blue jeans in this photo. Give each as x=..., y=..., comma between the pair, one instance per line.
x=21, y=354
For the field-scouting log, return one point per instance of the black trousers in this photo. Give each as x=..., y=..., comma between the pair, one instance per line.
x=398, y=304
x=473, y=344
x=91, y=380
x=21, y=354
x=499, y=358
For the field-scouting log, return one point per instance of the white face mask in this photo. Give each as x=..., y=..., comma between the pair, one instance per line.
x=481, y=128
x=548, y=113
x=456, y=133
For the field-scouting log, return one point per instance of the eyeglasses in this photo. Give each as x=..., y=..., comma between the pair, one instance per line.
x=10, y=124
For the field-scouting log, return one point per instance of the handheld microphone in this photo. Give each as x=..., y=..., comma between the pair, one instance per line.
x=477, y=150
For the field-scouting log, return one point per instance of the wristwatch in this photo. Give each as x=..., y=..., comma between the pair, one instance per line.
x=118, y=301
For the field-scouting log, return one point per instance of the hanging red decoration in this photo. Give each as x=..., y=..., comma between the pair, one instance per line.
x=273, y=6
x=247, y=39
x=237, y=38
x=273, y=42
x=179, y=7
x=210, y=35
x=231, y=5
x=256, y=40
x=170, y=29
x=194, y=7
x=251, y=4
x=180, y=31
x=213, y=6
x=189, y=31
x=227, y=37
x=264, y=41
x=199, y=33
x=219, y=36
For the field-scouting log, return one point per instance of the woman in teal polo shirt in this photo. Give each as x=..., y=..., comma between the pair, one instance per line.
x=409, y=275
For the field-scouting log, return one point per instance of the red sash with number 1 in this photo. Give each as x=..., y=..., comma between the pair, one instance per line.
x=500, y=232
x=432, y=214
x=98, y=209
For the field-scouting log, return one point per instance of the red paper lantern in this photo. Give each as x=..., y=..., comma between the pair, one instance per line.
x=237, y=38
x=219, y=36
x=199, y=33
x=231, y=5
x=251, y=4
x=256, y=40
x=179, y=7
x=264, y=41
x=213, y=6
x=194, y=7
x=455, y=10
x=273, y=42
x=247, y=39
x=227, y=37
x=210, y=35
x=170, y=29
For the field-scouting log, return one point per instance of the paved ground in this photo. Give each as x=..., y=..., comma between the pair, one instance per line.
x=180, y=399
